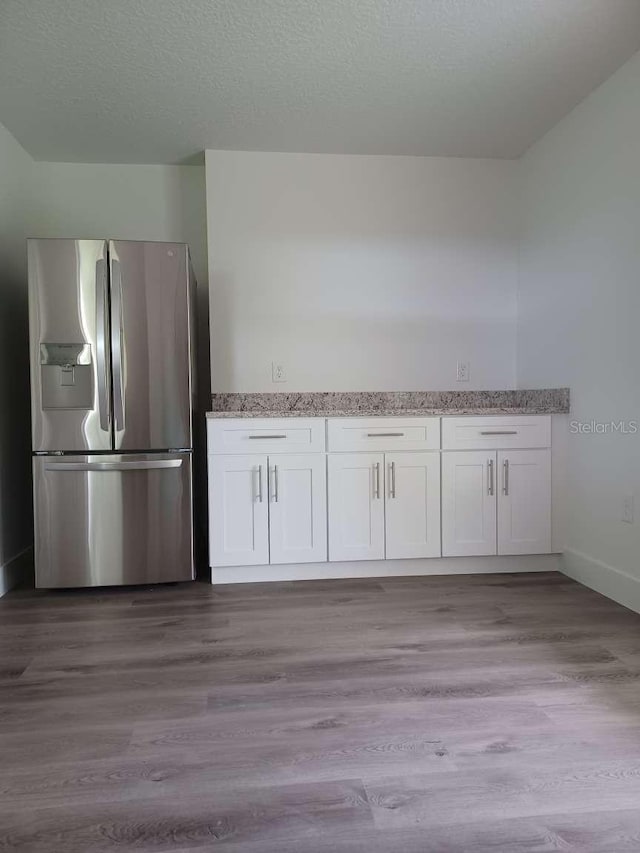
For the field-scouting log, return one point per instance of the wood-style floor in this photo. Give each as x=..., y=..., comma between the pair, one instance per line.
x=479, y=713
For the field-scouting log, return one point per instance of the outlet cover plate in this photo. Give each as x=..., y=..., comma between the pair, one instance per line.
x=462, y=371
x=278, y=372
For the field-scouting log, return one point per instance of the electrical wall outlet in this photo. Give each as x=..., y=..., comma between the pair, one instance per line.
x=628, y=509
x=462, y=372
x=278, y=372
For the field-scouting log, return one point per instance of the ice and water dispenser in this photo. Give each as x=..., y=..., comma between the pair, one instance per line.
x=67, y=376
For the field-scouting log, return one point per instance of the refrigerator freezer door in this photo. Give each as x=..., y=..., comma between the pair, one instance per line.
x=69, y=343
x=151, y=345
x=112, y=519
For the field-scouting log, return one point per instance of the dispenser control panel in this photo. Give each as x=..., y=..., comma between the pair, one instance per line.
x=67, y=376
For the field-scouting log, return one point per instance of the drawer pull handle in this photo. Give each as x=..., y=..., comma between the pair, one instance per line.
x=260, y=437
x=385, y=434
x=499, y=432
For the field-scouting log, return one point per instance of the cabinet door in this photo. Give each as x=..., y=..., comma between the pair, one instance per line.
x=298, y=508
x=356, y=506
x=524, y=502
x=468, y=503
x=412, y=505
x=238, y=511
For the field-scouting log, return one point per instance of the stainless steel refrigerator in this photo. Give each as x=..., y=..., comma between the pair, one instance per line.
x=112, y=392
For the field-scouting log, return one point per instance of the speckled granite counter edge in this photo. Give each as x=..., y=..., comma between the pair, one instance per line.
x=388, y=403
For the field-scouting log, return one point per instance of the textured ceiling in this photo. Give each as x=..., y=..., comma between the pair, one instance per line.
x=156, y=81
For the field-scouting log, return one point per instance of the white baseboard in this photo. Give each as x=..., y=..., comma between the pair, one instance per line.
x=13, y=571
x=605, y=579
x=386, y=568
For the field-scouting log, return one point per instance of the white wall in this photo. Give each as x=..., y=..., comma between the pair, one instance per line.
x=579, y=314
x=15, y=436
x=133, y=203
x=360, y=272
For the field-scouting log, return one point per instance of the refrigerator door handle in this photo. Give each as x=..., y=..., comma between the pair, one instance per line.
x=116, y=343
x=102, y=336
x=113, y=466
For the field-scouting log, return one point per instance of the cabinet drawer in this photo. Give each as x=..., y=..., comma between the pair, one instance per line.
x=265, y=435
x=498, y=432
x=380, y=434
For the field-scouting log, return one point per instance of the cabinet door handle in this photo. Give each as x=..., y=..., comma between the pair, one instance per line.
x=385, y=434
x=505, y=477
x=490, y=487
x=376, y=485
x=498, y=432
x=275, y=484
x=392, y=480
x=260, y=483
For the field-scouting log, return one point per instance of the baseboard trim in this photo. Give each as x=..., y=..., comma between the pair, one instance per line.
x=387, y=568
x=603, y=578
x=14, y=570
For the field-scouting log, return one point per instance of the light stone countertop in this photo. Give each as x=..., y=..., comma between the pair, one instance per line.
x=389, y=403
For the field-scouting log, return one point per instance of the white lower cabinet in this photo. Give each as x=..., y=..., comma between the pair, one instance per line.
x=298, y=508
x=412, y=505
x=384, y=505
x=267, y=509
x=356, y=506
x=383, y=490
x=238, y=511
x=524, y=502
x=496, y=502
x=468, y=503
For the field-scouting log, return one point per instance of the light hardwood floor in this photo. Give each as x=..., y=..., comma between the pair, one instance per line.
x=477, y=713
